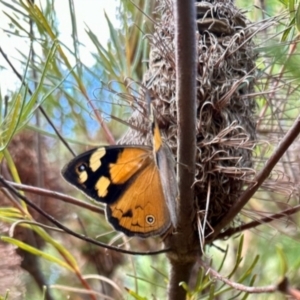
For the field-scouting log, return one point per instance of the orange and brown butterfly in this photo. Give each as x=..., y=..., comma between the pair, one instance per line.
x=137, y=184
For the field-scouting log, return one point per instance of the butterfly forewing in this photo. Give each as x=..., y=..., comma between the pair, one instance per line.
x=104, y=173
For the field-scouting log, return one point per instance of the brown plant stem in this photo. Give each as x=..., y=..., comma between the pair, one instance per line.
x=183, y=255
x=260, y=178
x=179, y=272
x=4, y=183
x=235, y=285
x=231, y=231
x=57, y=195
x=282, y=287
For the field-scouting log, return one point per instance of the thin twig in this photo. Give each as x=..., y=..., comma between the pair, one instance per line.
x=231, y=231
x=57, y=195
x=235, y=285
x=260, y=178
x=71, y=232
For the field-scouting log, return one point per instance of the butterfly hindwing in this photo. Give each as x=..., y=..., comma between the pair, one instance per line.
x=141, y=210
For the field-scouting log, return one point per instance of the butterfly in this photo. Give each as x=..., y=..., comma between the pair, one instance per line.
x=137, y=184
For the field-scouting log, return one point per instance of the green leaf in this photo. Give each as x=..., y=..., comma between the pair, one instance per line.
x=11, y=121
x=11, y=166
x=287, y=31
x=118, y=46
x=36, y=252
x=211, y=292
x=249, y=270
x=12, y=213
x=33, y=104
x=251, y=284
x=297, y=18
x=135, y=295
x=238, y=258
x=291, y=6
x=282, y=261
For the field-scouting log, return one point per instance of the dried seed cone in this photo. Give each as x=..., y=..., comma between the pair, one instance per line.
x=225, y=126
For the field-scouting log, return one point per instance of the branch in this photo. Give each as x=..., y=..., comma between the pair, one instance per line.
x=238, y=286
x=231, y=231
x=282, y=286
x=183, y=257
x=71, y=232
x=260, y=178
x=185, y=41
x=56, y=195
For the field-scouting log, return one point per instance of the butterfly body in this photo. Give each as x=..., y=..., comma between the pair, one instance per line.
x=137, y=184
